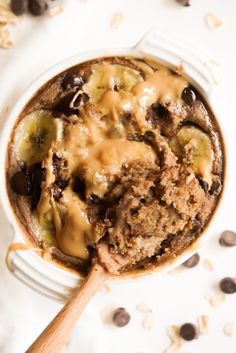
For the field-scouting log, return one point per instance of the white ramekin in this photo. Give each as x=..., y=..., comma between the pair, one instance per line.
x=46, y=277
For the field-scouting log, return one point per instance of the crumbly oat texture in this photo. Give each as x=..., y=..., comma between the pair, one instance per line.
x=117, y=158
x=6, y=18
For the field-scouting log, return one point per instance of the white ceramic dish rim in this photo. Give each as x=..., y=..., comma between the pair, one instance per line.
x=43, y=276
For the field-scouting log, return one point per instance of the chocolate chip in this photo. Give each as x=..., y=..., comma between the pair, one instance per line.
x=63, y=106
x=62, y=183
x=149, y=137
x=216, y=187
x=94, y=199
x=56, y=164
x=184, y=2
x=135, y=137
x=157, y=115
x=37, y=7
x=126, y=117
x=71, y=80
x=121, y=317
x=20, y=183
x=228, y=238
x=18, y=7
x=188, y=96
x=160, y=110
x=228, y=285
x=203, y=184
x=134, y=210
x=79, y=188
x=192, y=261
x=81, y=100
x=196, y=227
x=188, y=331
x=37, y=176
x=56, y=192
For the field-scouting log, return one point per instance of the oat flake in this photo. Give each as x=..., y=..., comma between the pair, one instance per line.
x=106, y=288
x=216, y=300
x=180, y=70
x=173, y=333
x=117, y=19
x=208, y=265
x=229, y=329
x=56, y=10
x=176, y=271
x=148, y=322
x=212, y=21
x=203, y=323
x=143, y=308
x=215, y=71
x=6, y=18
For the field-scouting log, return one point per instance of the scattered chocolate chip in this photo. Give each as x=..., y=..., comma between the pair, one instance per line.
x=149, y=137
x=71, y=80
x=81, y=100
x=192, y=261
x=121, y=317
x=184, y=2
x=37, y=7
x=228, y=238
x=228, y=285
x=79, y=188
x=188, y=331
x=135, y=137
x=188, y=96
x=18, y=7
x=20, y=183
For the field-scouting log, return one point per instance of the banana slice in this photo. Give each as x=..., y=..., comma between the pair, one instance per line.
x=107, y=77
x=34, y=136
x=193, y=145
x=45, y=229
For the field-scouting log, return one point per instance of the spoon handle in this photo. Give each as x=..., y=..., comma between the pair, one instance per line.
x=56, y=334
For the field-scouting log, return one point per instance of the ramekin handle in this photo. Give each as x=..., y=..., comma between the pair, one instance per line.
x=158, y=44
x=40, y=275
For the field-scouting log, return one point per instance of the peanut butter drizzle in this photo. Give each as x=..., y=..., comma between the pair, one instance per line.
x=44, y=202
x=160, y=85
x=76, y=233
x=19, y=247
x=99, y=162
x=97, y=158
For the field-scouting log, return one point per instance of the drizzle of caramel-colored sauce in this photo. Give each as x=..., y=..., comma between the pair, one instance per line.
x=20, y=247
x=95, y=156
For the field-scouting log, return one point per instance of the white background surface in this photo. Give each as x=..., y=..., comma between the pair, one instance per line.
x=40, y=43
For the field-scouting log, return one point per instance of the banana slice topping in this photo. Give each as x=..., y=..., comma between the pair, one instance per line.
x=194, y=146
x=34, y=136
x=106, y=77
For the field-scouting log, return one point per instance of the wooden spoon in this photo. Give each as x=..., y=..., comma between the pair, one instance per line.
x=55, y=335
